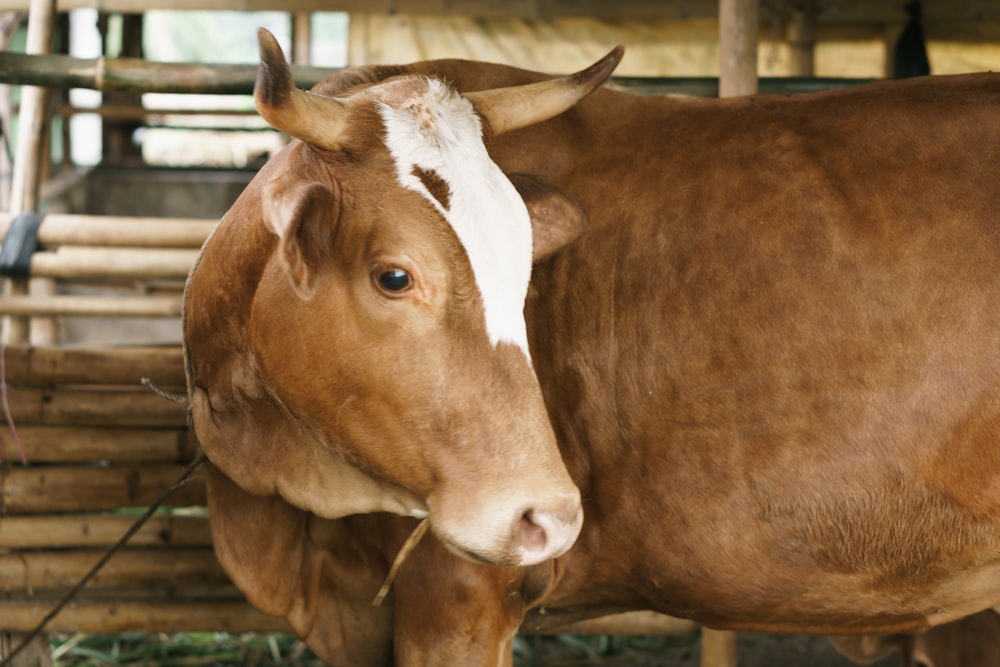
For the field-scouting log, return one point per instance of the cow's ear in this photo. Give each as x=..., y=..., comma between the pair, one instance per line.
x=304, y=217
x=556, y=219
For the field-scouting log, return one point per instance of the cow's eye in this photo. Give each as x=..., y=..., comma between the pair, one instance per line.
x=394, y=281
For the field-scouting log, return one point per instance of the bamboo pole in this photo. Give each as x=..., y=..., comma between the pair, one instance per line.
x=91, y=306
x=738, y=30
x=868, y=13
x=95, y=365
x=9, y=23
x=42, y=571
x=103, y=263
x=301, y=37
x=82, y=444
x=76, y=407
x=43, y=330
x=141, y=76
x=117, y=147
x=718, y=648
x=154, y=115
x=63, y=531
x=103, y=230
x=154, y=616
x=32, y=127
x=801, y=37
x=58, y=70
x=87, y=489
x=33, y=117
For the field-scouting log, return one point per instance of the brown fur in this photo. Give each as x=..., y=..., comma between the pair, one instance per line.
x=771, y=362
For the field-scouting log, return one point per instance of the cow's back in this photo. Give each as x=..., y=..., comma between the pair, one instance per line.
x=779, y=334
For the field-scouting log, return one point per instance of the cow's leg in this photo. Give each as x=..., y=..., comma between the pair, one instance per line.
x=449, y=611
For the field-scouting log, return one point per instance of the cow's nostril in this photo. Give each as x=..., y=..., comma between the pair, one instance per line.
x=532, y=536
x=547, y=530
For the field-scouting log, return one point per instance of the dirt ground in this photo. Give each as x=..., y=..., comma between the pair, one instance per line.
x=754, y=650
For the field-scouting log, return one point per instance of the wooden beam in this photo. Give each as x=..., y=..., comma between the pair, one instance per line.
x=85, y=488
x=114, y=306
x=119, y=231
x=102, y=263
x=61, y=531
x=155, y=114
x=105, y=407
x=141, y=76
x=636, y=9
x=82, y=444
x=871, y=11
x=65, y=71
x=187, y=571
x=94, y=364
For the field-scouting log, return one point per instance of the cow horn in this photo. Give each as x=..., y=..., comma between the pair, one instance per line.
x=312, y=118
x=507, y=109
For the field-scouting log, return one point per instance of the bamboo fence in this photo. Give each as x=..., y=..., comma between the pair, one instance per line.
x=100, y=448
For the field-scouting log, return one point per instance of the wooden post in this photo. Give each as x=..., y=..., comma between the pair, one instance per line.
x=359, y=37
x=718, y=648
x=63, y=39
x=30, y=140
x=9, y=22
x=118, y=147
x=301, y=37
x=738, y=30
x=801, y=36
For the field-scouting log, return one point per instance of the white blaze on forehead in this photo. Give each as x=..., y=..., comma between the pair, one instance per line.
x=437, y=130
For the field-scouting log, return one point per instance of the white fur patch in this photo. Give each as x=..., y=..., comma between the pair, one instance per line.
x=439, y=131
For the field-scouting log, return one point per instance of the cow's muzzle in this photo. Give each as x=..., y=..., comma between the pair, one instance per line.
x=522, y=533
x=547, y=529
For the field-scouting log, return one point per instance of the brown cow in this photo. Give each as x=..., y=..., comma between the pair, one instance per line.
x=770, y=360
x=355, y=331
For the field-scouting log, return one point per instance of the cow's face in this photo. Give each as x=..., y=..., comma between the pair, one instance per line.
x=388, y=324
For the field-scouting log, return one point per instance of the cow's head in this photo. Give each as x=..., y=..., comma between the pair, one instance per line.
x=355, y=327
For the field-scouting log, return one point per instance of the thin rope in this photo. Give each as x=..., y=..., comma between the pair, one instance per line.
x=157, y=389
x=104, y=559
x=408, y=546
